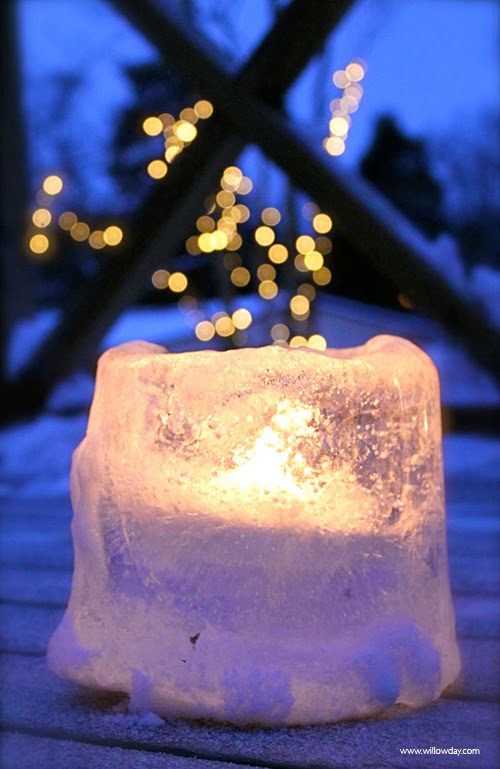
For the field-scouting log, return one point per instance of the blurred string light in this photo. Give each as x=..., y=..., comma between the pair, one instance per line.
x=347, y=80
x=42, y=218
x=177, y=133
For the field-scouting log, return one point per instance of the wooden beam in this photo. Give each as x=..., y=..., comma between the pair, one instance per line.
x=375, y=227
x=16, y=272
x=160, y=227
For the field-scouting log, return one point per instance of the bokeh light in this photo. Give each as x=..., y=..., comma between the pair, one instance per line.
x=322, y=277
x=39, y=244
x=52, y=185
x=240, y=277
x=322, y=223
x=113, y=235
x=241, y=318
x=96, y=239
x=278, y=253
x=42, y=217
x=280, y=332
x=304, y=244
x=157, y=169
x=152, y=126
x=268, y=289
x=205, y=330
x=80, y=231
x=271, y=216
x=266, y=272
x=177, y=282
x=67, y=220
x=160, y=279
x=203, y=109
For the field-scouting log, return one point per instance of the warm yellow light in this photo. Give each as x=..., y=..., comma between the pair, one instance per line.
x=225, y=199
x=157, y=169
x=322, y=277
x=240, y=277
x=304, y=244
x=152, y=126
x=355, y=71
x=224, y=326
x=203, y=109
x=278, y=253
x=113, y=235
x=323, y=244
x=335, y=146
x=322, y=223
x=280, y=332
x=244, y=212
x=174, y=141
x=264, y=236
x=235, y=242
x=167, y=120
x=317, y=342
x=313, y=260
x=177, y=282
x=339, y=126
x=80, y=231
x=266, y=272
x=341, y=79
x=219, y=240
x=242, y=318
x=299, y=263
x=67, y=220
x=42, y=217
x=227, y=225
x=298, y=341
x=205, y=223
x=245, y=186
x=205, y=331
x=206, y=243
x=160, y=278
x=299, y=305
x=268, y=289
x=232, y=176
x=305, y=289
x=188, y=114
x=39, y=244
x=52, y=185
x=271, y=216
x=185, y=131
x=96, y=239
x=192, y=246
x=172, y=152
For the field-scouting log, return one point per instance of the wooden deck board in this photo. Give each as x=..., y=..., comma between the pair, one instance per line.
x=25, y=751
x=76, y=715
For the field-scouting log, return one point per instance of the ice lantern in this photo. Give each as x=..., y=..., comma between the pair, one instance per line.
x=259, y=534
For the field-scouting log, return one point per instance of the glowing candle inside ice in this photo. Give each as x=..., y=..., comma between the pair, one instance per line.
x=259, y=534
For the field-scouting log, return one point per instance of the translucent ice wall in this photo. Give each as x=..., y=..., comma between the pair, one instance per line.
x=259, y=534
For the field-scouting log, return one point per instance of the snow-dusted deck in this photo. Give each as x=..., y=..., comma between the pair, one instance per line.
x=53, y=725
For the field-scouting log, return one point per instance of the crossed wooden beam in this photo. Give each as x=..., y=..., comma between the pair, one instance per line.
x=247, y=111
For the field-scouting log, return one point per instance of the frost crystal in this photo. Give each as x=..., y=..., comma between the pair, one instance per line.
x=260, y=535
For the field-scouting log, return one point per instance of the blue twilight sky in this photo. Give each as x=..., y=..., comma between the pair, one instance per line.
x=432, y=63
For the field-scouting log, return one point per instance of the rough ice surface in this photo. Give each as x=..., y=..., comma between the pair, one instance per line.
x=259, y=534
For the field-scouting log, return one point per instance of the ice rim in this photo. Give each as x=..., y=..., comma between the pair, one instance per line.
x=304, y=587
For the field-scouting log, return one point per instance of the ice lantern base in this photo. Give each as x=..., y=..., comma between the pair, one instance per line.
x=260, y=534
